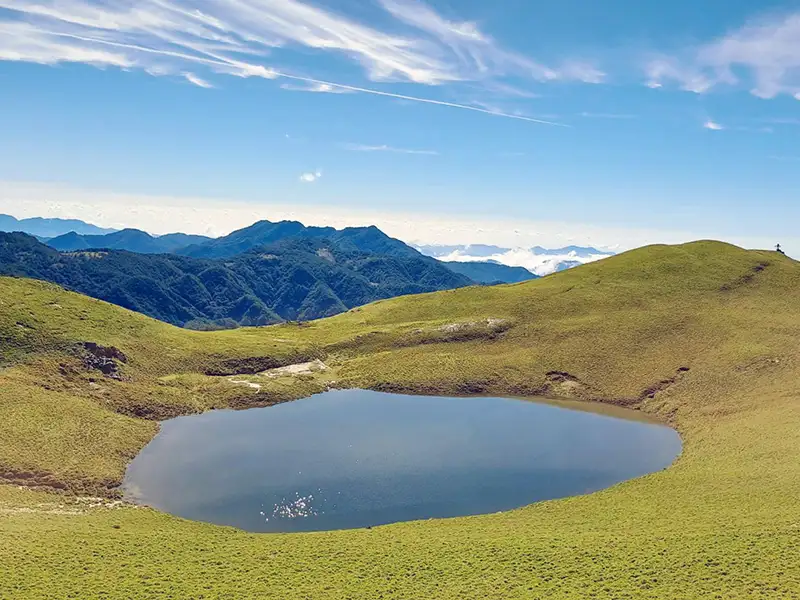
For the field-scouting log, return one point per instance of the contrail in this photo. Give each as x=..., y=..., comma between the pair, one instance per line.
x=416, y=99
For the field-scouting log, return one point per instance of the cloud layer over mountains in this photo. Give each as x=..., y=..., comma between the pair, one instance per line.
x=538, y=260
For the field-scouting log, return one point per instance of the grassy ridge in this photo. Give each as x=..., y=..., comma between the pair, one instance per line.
x=703, y=335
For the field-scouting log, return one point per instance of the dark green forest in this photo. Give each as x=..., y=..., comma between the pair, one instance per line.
x=292, y=279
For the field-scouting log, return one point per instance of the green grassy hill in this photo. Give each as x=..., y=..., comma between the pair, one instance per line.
x=703, y=336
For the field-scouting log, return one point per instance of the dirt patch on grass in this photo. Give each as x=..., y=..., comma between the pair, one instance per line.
x=76, y=505
x=51, y=482
x=561, y=384
x=250, y=384
x=760, y=364
x=306, y=368
x=651, y=391
x=253, y=365
x=746, y=278
x=294, y=370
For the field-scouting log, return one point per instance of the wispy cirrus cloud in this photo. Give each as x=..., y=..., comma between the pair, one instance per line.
x=385, y=148
x=763, y=55
x=717, y=126
x=198, y=81
x=249, y=38
x=478, y=54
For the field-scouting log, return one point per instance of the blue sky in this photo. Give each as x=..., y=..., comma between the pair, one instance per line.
x=513, y=122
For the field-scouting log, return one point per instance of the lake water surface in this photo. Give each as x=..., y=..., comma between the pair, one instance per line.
x=357, y=458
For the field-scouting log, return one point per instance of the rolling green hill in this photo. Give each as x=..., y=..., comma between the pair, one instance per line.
x=289, y=280
x=703, y=336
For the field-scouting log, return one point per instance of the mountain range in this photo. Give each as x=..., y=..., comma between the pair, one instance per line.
x=132, y=240
x=265, y=273
x=47, y=228
x=289, y=279
x=351, y=239
x=72, y=234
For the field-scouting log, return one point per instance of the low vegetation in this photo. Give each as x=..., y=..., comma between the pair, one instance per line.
x=703, y=336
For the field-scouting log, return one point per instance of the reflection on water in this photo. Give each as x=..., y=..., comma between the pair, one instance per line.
x=299, y=506
x=357, y=458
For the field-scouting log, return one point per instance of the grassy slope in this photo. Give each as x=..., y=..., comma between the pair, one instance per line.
x=723, y=522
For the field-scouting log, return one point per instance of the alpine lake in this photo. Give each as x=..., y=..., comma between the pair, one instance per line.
x=354, y=458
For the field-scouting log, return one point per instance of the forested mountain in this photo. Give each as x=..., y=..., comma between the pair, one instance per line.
x=351, y=239
x=133, y=240
x=290, y=280
x=490, y=272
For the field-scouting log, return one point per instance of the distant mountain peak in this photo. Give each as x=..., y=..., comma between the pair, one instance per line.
x=133, y=240
x=264, y=233
x=47, y=228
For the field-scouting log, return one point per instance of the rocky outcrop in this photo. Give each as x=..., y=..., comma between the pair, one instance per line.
x=106, y=359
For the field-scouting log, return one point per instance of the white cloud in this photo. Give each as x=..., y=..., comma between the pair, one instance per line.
x=319, y=88
x=535, y=262
x=478, y=54
x=246, y=38
x=713, y=125
x=763, y=55
x=580, y=71
x=385, y=148
x=664, y=69
x=198, y=81
x=21, y=41
x=311, y=176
